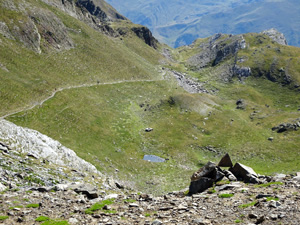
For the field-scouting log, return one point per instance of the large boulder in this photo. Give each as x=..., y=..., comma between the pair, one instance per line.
x=88, y=190
x=200, y=185
x=205, y=177
x=244, y=173
x=225, y=161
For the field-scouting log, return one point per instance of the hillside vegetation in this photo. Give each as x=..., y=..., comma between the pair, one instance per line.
x=94, y=81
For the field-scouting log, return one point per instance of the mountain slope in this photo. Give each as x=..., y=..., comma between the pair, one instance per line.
x=107, y=89
x=179, y=22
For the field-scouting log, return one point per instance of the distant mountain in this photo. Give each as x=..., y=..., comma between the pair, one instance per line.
x=180, y=22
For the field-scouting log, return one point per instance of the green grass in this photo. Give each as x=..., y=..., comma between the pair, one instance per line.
x=17, y=206
x=99, y=205
x=42, y=218
x=3, y=218
x=272, y=198
x=33, y=205
x=225, y=195
x=55, y=222
x=130, y=200
x=268, y=184
x=248, y=205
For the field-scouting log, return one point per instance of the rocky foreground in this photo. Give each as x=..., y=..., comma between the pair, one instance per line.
x=226, y=203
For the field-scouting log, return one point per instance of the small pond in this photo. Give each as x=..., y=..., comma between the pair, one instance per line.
x=153, y=158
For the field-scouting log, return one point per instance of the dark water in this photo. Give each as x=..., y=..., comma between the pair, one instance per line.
x=153, y=158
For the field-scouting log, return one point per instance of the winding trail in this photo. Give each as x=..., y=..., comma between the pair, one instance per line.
x=75, y=87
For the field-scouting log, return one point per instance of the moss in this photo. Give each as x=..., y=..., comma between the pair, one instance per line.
x=248, y=205
x=42, y=218
x=268, y=184
x=272, y=198
x=225, y=195
x=32, y=205
x=99, y=206
x=130, y=200
x=3, y=218
x=55, y=222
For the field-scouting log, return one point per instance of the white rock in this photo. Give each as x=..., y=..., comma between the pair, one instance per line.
x=73, y=221
x=2, y=187
x=111, y=196
x=33, y=142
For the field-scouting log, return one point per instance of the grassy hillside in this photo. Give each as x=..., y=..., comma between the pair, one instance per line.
x=99, y=95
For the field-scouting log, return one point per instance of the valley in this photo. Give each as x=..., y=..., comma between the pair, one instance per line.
x=95, y=82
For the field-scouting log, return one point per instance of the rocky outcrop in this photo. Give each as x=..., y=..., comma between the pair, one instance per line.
x=52, y=30
x=32, y=142
x=276, y=36
x=35, y=25
x=215, y=50
x=145, y=34
x=241, y=72
x=241, y=104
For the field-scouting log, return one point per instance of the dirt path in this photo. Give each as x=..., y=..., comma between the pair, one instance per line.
x=74, y=87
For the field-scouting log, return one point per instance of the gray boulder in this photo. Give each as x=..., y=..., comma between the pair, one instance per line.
x=88, y=190
x=244, y=173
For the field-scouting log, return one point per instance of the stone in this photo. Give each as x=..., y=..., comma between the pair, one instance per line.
x=61, y=187
x=225, y=161
x=148, y=129
x=111, y=196
x=227, y=187
x=87, y=190
x=2, y=187
x=42, y=189
x=262, y=196
x=200, y=185
x=133, y=205
x=230, y=175
x=207, y=171
x=279, y=177
x=201, y=222
x=245, y=173
x=252, y=216
x=205, y=177
x=296, y=178
x=260, y=220
x=274, y=204
x=156, y=222
x=240, y=104
x=273, y=217
x=73, y=221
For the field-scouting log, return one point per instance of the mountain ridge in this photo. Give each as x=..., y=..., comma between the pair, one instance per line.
x=179, y=23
